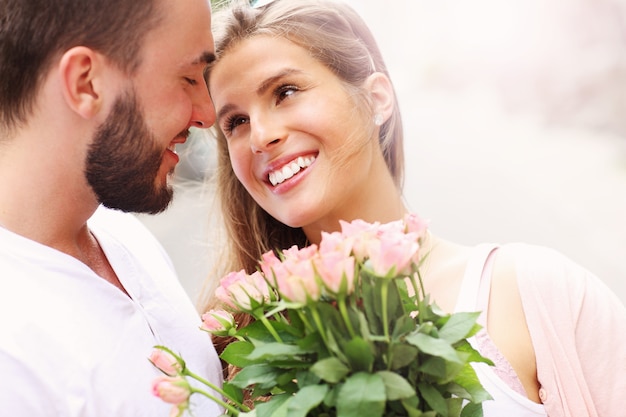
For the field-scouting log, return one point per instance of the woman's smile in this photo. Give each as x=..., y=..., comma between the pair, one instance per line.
x=289, y=170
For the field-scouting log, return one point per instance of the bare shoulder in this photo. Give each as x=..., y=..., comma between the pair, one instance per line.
x=443, y=269
x=506, y=322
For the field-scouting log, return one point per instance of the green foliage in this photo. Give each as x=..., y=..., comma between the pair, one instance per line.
x=346, y=330
x=412, y=361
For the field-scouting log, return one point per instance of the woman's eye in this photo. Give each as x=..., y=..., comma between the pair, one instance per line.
x=232, y=122
x=285, y=91
x=191, y=81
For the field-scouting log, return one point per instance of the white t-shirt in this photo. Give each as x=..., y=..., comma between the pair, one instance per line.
x=71, y=344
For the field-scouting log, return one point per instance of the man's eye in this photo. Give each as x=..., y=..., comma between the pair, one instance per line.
x=191, y=81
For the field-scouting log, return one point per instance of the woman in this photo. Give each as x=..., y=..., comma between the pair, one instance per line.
x=309, y=132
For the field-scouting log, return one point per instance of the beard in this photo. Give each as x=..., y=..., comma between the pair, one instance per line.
x=124, y=160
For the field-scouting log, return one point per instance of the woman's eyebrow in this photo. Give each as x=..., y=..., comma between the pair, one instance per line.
x=271, y=80
x=267, y=83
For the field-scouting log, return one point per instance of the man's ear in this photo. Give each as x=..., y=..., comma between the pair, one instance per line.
x=381, y=93
x=81, y=70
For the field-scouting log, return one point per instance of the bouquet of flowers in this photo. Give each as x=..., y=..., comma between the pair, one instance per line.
x=341, y=329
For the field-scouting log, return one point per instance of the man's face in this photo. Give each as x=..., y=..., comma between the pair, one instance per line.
x=124, y=160
x=131, y=159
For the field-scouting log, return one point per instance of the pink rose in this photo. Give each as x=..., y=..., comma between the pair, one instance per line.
x=336, y=272
x=165, y=362
x=300, y=254
x=416, y=224
x=239, y=290
x=217, y=321
x=362, y=234
x=173, y=390
x=336, y=242
x=296, y=281
x=393, y=251
x=269, y=261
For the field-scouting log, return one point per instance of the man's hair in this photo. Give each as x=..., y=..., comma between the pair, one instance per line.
x=33, y=33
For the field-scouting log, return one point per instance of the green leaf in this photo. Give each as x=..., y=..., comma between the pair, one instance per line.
x=472, y=354
x=306, y=399
x=359, y=354
x=330, y=369
x=334, y=348
x=275, y=407
x=256, y=374
x=433, y=346
x=433, y=398
x=402, y=326
x=362, y=394
x=402, y=355
x=333, y=396
x=307, y=377
x=267, y=351
x=455, y=405
x=458, y=326
x=472, y=410
x=371, y=306
x=257, y=330
x=233, y=392
x=396, y=387
x=411, y=407
x=440, y=368
x=236, y=354
x=468, y=379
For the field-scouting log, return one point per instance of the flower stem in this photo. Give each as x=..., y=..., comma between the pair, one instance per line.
x=216, y=389
x=320, y=326
x=306, y=322
x=384, y=292
x=420, y=292
x=216, y=400
x=346, y=318
x=270, y=328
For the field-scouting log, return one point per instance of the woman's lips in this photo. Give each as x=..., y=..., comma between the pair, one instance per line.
x=278, y=176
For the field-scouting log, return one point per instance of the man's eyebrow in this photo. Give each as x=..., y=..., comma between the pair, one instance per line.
x=205, y=58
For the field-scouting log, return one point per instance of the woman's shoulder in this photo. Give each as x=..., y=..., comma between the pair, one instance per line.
x=545, y=276
x=543, y=268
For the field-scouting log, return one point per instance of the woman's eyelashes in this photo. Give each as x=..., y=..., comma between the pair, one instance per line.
x=279, y=94
x=232, y=122
x=285, y=91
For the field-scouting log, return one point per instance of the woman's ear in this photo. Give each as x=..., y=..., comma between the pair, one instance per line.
x=81, y=71
x=381, y=93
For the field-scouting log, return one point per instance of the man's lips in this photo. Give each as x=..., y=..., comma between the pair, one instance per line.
x=179, y=139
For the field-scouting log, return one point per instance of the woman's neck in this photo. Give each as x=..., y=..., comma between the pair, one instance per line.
x=386, y=208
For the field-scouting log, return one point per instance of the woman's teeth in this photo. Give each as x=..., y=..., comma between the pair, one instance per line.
x=291, y=169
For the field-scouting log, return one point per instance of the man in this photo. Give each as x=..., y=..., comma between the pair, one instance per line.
x=94, y=97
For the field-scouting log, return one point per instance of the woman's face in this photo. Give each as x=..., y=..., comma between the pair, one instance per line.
x=297, y=141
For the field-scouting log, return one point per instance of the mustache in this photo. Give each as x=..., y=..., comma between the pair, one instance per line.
x=184, y=134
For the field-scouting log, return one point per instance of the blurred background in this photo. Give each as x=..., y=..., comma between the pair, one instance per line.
x=515, y=118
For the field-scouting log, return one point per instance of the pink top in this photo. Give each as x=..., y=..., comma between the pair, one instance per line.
x=500, y=380
x=578, y=330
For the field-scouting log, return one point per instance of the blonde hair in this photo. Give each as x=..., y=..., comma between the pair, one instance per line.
x=336, y=36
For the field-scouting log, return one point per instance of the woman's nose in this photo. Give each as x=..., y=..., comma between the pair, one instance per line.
x=265, y=133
